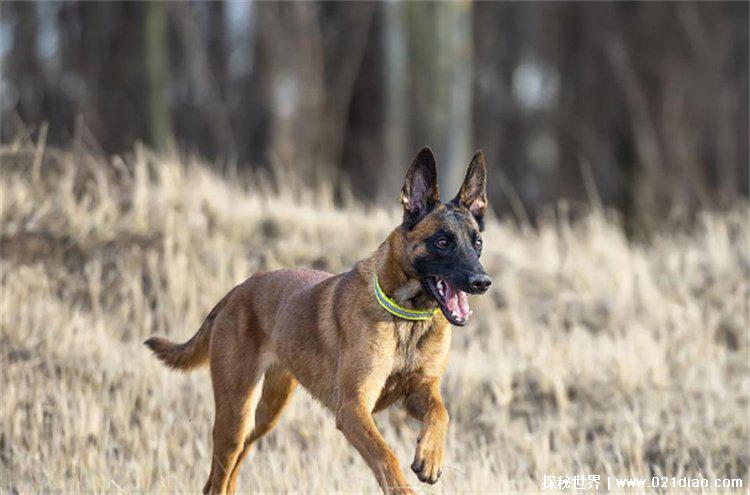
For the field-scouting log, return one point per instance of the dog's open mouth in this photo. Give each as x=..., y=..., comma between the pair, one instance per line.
x=454, y=303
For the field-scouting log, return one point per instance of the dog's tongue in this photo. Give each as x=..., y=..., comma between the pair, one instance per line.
x=463, y=304
x=457, y=301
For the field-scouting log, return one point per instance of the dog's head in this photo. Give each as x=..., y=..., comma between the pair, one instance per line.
x=443, y=241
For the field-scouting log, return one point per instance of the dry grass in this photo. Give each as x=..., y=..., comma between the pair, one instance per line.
x=591, y=354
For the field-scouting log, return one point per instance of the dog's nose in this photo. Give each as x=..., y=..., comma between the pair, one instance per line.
x=479, y=282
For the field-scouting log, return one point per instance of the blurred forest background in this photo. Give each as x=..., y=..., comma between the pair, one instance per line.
x=644, y=103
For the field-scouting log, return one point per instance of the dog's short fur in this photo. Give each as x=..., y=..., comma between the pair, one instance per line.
x=328, y=333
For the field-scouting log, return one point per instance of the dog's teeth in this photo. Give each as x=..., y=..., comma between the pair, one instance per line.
x=440, y=287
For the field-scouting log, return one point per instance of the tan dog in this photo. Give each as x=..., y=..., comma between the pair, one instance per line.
x=358, y=341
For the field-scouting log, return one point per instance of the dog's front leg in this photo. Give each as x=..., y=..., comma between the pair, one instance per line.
x=425, y=404
x=361, y=377
x=356, y=423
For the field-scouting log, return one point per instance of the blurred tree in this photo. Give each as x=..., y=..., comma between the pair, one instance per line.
x=440, y=44
x=203, y=78
x=157, y=72
x=397, y=115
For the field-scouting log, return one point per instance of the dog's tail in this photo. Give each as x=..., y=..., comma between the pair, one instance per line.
x=193, y=353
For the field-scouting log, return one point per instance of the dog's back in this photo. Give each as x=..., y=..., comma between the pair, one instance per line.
x=263, y=294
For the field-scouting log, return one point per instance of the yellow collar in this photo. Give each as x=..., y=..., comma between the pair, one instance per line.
x=396, y=310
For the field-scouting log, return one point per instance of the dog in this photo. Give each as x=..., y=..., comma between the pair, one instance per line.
x=357, y=341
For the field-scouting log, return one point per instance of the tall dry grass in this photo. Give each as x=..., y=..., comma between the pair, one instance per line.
x=590, y=355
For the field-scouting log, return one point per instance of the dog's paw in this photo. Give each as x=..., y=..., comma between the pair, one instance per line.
x=428, y=459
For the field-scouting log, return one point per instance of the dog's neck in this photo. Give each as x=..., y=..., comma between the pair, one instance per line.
x=396, y=281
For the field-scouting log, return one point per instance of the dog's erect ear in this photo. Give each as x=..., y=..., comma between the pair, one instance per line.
x=473, y=193
x=420, y=192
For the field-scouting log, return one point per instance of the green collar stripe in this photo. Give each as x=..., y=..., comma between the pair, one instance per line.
x=393, y=308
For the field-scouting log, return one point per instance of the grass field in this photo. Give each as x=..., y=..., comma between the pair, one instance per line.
x=591, y=354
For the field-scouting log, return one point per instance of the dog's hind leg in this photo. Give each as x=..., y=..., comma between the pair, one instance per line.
x=238, y=360
x=278, y=387
x=233, y=412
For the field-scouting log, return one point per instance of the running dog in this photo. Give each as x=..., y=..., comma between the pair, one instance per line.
x=357, y=341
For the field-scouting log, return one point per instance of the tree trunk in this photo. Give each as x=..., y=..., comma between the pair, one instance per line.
x=157, y=73
x=440, y=39
x=397, y=123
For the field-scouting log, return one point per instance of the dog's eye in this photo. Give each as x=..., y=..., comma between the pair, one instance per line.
x=478, y=243
x=442, y=243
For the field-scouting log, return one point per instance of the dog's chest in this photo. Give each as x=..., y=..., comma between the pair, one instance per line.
x=408, y=362
x=411, y=340
x=419, y=348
